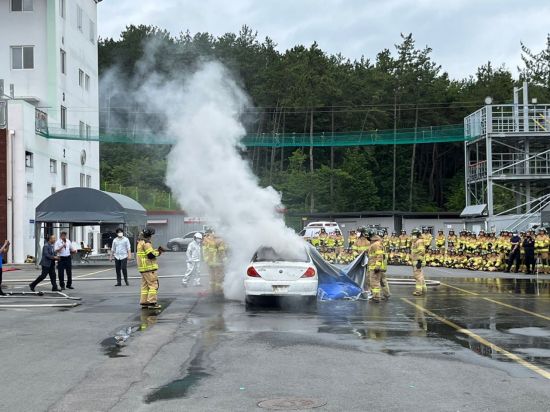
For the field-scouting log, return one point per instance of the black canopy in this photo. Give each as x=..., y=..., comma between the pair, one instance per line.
x=84, y=206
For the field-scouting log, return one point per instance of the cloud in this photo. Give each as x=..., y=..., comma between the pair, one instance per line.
x=463, y=34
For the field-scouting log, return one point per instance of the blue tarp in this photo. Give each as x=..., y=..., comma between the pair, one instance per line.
x=336, y=283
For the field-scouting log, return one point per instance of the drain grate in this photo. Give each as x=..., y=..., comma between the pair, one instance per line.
x=291, y=404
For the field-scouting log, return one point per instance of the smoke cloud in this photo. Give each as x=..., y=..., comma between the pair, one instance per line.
x=209, y=177
x=206, y=171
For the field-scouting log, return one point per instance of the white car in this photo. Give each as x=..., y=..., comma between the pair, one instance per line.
x=314, y=228
x=271, y=273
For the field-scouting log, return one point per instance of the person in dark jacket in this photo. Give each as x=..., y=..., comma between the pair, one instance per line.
x=514, y=255
x=48, y=265
x=529, y=249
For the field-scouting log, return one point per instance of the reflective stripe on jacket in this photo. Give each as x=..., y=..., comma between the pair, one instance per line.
x=144, y=263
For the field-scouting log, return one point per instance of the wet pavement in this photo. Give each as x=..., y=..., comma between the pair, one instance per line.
x=473, y=343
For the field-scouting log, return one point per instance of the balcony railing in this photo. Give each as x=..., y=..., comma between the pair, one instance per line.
x=508, y=118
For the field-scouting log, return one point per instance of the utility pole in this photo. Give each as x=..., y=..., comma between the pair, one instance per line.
x=332, y=164
x=312, y=199
x=394, y=148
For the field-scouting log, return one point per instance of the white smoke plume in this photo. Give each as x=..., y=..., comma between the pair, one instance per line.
x=206, y=171
x=209, y=177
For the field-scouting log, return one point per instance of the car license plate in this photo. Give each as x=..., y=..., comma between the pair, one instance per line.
x=280, y=288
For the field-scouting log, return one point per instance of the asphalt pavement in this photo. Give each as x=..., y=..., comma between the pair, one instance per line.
x=476, y=342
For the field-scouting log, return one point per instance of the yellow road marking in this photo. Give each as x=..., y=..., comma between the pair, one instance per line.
x=462, y=290
x=467, y=332
x=520, y=309
x=498, y=302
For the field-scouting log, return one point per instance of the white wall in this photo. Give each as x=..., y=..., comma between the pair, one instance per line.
x=48, y=32
x=24, y=29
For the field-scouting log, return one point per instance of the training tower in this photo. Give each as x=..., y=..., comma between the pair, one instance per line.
x=507, y=161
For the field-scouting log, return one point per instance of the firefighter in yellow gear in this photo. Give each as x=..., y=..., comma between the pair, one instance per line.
x=147, y=267
x=352, y=238
x=427, y=237
x=418, y=257
x=377, y=268
x=542, y=251
x=214, y=255
x=440, y=241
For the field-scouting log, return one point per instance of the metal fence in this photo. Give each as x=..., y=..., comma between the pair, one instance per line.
x=149, y=199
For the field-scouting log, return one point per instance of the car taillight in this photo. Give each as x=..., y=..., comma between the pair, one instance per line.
x=309, y=273
x=252, y=272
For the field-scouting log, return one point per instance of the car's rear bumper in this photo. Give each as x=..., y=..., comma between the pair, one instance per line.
x=300, y=287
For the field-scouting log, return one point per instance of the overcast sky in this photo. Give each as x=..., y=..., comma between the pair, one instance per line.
x=463, y=34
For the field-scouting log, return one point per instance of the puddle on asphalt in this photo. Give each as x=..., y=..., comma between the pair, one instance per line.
x=198, y=367
x=113, y=345
x=520, y=286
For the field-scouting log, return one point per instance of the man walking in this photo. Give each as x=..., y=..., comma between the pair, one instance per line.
x=148, y=266
x=121, y=251
x=194, y=257
x=64, y=249
x=48, y=265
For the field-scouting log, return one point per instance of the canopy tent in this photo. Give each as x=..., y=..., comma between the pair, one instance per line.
x=82, y=206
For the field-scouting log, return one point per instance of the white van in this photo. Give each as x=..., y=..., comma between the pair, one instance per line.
x=314, y=228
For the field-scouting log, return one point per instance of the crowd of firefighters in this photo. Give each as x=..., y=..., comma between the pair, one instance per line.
x=484, y=251
x=528, y=251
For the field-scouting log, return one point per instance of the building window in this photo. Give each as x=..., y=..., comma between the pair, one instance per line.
x=64, y=174
x=53, y=166
x=21, y=5
x=79, y=18
x=80, y=78
x=29, y=188
x=88, y=181
x=63, y=61
x=88, y=132
x=53, y=190
x=29, y=159
x=82, y=180
x=22, y=57
x=63, y=117
x=81, y=129
x=92, y=32
x=62, y=8
x=87, y=82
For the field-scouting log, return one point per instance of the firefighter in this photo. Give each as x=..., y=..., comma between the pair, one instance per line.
x=377, y=267
x=541, y=250
x=418, y=253
x=214, y=256
x=427, y=237
x=338, y=241
x=362, y=243
x=148, y=266
x=352, y=238
x=440, y=241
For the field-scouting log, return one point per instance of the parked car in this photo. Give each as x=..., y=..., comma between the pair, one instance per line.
x=313, y=229
x=272, y=273
x=179, y=244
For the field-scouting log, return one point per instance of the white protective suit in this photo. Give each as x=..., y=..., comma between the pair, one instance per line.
x=194, y=258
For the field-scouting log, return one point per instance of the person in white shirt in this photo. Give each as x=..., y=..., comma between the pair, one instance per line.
x=194, y=257
x=121, y=251
x=64, y=248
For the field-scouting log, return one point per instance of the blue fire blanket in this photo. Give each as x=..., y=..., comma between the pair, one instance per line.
x=339, y=283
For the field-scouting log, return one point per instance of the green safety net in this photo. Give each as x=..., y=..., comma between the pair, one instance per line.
x=430, y=134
